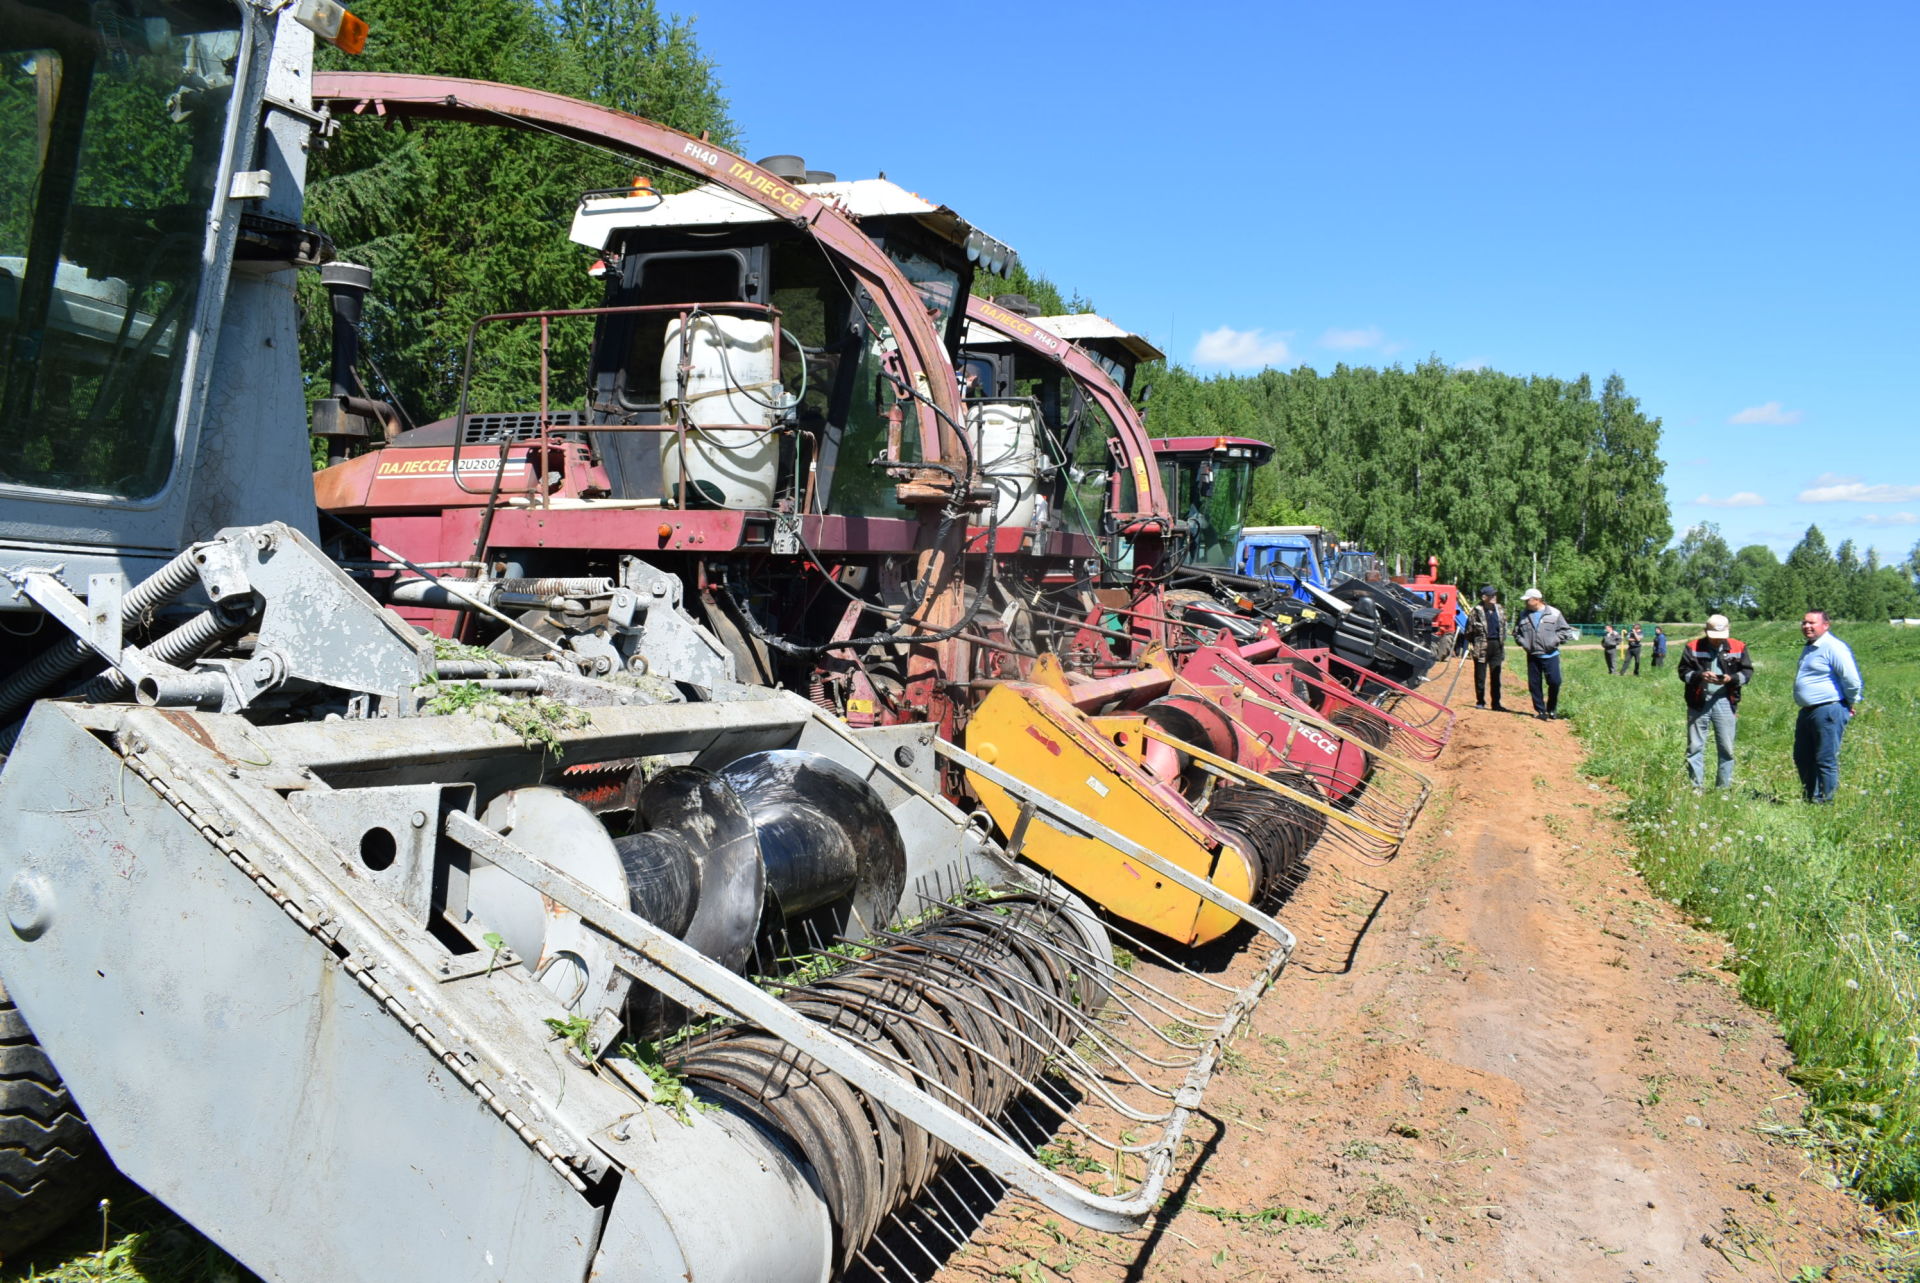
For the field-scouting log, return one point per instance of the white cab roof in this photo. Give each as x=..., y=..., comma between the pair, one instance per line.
x=601, y=216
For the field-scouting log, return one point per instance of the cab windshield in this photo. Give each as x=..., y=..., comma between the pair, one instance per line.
x=1284, y=563
x=112, y=117
x=1210, y=496
x=939, y=286
x=1355, y=565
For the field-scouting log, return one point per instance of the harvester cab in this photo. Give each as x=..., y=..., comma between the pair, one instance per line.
x=1055, y=389
x=768, y=404
x=519, y=966
x=1084, y=443
x=1209, y=481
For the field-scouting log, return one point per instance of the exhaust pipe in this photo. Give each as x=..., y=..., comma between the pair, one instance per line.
x=344, y=418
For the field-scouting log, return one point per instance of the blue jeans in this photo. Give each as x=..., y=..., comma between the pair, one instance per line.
x=1716, y=716
x=1544, y=671
x=1816, y=750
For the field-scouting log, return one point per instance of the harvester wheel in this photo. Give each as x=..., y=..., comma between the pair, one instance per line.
x=1362, y=725
x=1277, y=831
x=51, y=1166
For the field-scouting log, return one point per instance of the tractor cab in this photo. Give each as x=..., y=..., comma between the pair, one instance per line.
x=1285, y=555
x=1349, y=562
x=1208, y=481
x=1054, y=455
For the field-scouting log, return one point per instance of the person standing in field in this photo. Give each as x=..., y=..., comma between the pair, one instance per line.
x=1610, y=646
x=1659, y=646
x=1714, y=668
x=1487, y=643
x=1541, y=631
x=1827, y=688
x=1634, y=638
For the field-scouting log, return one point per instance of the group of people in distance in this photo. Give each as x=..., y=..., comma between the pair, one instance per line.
x=1714, y=668
x=1632, y=638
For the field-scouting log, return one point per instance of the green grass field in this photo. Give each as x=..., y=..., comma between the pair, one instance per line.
x=1820, y=905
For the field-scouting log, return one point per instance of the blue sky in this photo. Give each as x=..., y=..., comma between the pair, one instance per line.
x=1717, y=201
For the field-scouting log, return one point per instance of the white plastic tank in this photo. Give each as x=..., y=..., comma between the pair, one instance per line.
x=733, y=385
x=1006, y=448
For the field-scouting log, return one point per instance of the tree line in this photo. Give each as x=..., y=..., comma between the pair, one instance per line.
x=1492, y=473
x=1704, y=576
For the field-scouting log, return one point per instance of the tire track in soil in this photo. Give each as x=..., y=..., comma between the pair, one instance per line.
x=1498, y=1057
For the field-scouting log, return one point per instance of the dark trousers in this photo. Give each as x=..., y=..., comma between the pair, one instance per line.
x=1610, y=652
x=1486, y=672
x=1633, y=657
x=1816, y=750
x=1543, y=672
x=1659, y=657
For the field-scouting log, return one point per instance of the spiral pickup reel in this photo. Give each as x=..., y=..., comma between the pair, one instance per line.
x=1011, y=1007
x=1385, y=792
x=1334, y=700
x=1277, y=816
x=1429, y=718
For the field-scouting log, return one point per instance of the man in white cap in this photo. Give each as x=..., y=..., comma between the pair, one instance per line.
x=1714, y=668
x=1540, y=630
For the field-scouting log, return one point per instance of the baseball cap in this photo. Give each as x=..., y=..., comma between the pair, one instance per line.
x=1717, y=627
x=1488, y=590
x=1531, y=594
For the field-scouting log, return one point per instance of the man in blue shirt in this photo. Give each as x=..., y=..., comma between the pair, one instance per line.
x=1827, y=689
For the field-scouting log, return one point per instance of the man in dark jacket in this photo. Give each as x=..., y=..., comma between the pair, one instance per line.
x=1487, y=643
x=1659, y=646
x=1634, y=638
x=1541, y=631
x=1714, y=669
x=1610, y=646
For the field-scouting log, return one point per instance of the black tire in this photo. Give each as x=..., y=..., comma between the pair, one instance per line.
x=51, y=1166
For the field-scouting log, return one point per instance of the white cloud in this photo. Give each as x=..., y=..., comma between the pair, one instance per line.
x=1741, y=499
x=1772, y=413
x=1830, y=487
x=1348, y=340
x=1477, y=363
x=1242, y=349
x=1891, y=519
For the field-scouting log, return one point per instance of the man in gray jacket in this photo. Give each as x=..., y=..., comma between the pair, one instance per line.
x=1540, y=631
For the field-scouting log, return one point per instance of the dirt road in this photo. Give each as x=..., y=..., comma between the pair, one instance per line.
x=1496, y=1058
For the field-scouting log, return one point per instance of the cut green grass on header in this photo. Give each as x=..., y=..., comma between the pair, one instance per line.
x=1821, y=905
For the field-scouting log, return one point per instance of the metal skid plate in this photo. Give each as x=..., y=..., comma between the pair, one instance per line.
x=231, y=1064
